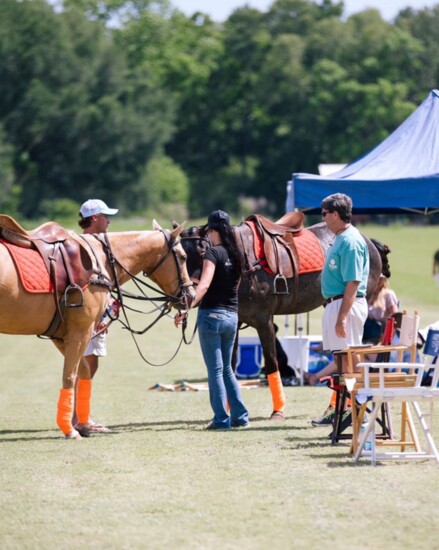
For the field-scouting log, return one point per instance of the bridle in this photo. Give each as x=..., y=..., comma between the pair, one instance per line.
x=202, y=237
x=184, y=297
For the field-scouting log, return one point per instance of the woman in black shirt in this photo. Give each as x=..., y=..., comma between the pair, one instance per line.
x=217, y=296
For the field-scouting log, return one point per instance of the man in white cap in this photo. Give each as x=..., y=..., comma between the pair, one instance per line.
x=94, y=218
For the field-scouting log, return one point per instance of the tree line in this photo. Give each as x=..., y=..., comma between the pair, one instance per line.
x=134, y=102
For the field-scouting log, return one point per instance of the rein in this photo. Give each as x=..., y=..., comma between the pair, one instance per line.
x=121, y=294
x=202, y=239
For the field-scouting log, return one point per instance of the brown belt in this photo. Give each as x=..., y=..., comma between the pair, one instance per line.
x=339, y=297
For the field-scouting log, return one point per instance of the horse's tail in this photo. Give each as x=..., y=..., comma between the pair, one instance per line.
x=384, y=251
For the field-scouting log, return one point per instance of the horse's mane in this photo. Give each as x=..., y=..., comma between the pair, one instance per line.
x=384, y=251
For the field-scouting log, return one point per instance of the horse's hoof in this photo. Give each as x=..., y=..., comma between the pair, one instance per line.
x=91, y=427
x=277, y=416
x=74, y=434
x=83, y=430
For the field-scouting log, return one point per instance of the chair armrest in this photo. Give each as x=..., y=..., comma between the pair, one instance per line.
x=366, y=349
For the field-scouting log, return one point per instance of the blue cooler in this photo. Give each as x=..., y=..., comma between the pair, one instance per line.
x=249, y=358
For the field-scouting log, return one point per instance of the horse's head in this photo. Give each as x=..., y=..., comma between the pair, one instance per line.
x=384, y=251
x=170, y=272
x=195, y=242
x=379, y=263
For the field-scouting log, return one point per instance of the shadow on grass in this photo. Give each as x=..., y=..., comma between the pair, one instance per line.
x=168, y=425
x=340, y=459
x=307, y=443
x=349, y=463
x=27, y=435
x=192, y=380
x=162, y=425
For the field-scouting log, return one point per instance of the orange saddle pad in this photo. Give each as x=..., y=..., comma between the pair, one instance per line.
x=30, y=268
x=310, y=252
x=308, y=246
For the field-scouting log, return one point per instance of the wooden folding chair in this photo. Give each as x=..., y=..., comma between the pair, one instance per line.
x=353, y=381
x=343, y=394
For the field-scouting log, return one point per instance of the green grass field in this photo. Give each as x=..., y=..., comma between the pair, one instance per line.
x=158, y=480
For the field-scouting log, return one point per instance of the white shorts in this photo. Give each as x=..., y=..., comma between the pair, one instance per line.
x=354, y=325
x=97, y=346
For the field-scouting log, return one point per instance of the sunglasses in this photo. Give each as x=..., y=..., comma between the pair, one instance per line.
x=327, y=212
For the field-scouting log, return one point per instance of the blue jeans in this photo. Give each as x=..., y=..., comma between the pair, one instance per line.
x=217, y=331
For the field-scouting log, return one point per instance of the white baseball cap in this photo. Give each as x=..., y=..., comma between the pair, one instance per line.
x=96, y=206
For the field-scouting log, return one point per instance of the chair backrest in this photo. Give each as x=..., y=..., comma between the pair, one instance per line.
x=388, y=333
x=409, y=333
x=409, y=329
x=432, y=343
x=386, y=340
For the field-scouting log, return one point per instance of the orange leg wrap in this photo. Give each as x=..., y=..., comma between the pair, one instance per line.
x=83, y=396
x=332, y=402
x=65, y=411
x=277, y=391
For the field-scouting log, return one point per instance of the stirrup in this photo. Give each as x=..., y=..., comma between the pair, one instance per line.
x=69, y=290
x=280, y=285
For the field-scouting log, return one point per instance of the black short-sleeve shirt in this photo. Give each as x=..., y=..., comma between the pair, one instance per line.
x=223, y=290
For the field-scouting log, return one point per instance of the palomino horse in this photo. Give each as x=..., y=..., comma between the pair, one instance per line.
x=117, y=257
x=257, y=300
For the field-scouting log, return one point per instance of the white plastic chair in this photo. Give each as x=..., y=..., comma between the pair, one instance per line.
x=405, y=387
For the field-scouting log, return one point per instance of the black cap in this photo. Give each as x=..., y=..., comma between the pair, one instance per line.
x=216, y=217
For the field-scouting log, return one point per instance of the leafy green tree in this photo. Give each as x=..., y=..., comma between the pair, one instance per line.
x=224, y=118
x=81, y=122
x=300, y=16
x=163, y=182
x=182, y=53
x=349, y=117
x=9, y=190
x=133, y=101
x=60, y=210
x=423, y=26
x=258, y=97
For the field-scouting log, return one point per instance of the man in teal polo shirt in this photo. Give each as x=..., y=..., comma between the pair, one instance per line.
x=344, y=280
x=344, y=277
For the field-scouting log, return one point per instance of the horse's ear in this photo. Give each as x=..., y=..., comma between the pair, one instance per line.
x=156, y=225
x=176, y=232
x=174, y=224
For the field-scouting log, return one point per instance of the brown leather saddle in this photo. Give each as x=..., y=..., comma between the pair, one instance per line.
x=70, y=262
x=280, y=250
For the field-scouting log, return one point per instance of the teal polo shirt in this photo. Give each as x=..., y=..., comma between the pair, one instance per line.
x=346, y=260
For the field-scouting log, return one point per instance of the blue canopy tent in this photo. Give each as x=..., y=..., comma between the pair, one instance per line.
x=401, y=173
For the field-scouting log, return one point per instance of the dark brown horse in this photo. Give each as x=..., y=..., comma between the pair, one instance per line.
x=257, y=300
